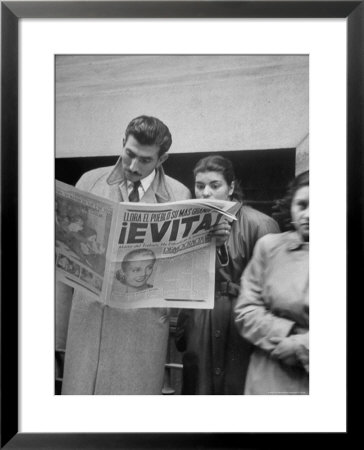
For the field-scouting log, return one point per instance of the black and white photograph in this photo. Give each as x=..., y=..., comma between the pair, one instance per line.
x=157, y=159
x=161, y=129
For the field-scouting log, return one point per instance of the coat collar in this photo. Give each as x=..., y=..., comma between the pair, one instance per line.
x=294, y=242
x=157, y=191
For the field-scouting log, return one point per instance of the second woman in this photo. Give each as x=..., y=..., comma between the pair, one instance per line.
x=216, y=357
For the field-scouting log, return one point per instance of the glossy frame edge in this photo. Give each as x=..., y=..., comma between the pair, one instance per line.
x=11, y=12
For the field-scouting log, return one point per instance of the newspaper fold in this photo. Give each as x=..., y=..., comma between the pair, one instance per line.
x=138, y=255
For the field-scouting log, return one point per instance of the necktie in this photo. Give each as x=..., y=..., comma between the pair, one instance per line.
x=134, y=194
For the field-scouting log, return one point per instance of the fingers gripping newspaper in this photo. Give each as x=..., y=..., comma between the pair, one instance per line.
x=138, y=255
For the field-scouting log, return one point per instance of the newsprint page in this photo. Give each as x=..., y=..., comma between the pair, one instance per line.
x=138, y=255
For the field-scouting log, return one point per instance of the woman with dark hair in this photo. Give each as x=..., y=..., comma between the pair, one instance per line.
x=216, y=357
x=272, y=309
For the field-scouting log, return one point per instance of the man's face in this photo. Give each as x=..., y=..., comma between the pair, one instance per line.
x=138, y=161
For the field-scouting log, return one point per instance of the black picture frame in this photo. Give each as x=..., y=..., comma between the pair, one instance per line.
x=11, y=13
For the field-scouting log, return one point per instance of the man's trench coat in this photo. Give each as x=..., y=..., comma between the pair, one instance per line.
x=108, y=350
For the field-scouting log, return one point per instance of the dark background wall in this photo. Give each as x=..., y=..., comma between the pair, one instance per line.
x=264, y=174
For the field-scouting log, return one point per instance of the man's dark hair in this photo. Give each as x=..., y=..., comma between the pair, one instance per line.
x=149, y=130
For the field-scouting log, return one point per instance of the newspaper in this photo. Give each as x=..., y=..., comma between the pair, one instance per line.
x=138, y=255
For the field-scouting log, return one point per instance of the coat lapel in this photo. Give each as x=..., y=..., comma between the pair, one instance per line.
x=156, y=193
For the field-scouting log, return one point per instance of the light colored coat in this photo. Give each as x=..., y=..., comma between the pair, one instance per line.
x=106, y=182
x=113, y=351
x=273, y=299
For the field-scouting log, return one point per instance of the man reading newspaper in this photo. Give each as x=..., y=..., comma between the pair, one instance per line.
x=110, y=350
